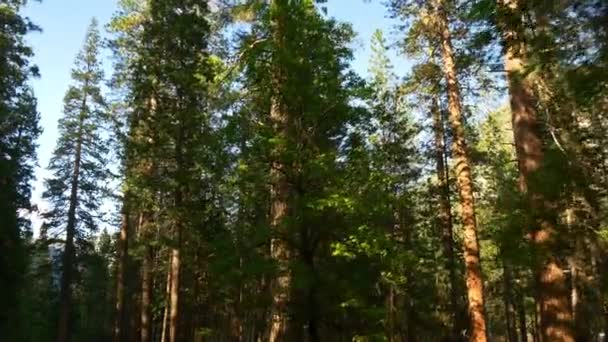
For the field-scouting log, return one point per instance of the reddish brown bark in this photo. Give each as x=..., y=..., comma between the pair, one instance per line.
x=180, y=196
x=163, y=335
x=121, y=271
x=474, y=281
x=174, y=292
x=555, y=315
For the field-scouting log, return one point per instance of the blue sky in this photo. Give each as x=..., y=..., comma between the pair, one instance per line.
x=64, y=23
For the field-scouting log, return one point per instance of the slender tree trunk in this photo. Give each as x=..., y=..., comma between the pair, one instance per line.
x=574, y=266
x=445, y=211
x=176, y=260
x=313, y=319
x=121, y=272
x=65, y=296
x=577, y=280
x=604, y=308
x=509, y=297
x=521, y=316
x=280, y=189
x=239, y=320
x=537, y=314
x=180, y=193
x=280, y=253
x=392, y=329
x=601, y=296
x=194, y=312
x=411, y=321
x=174, y=293
x=146, y=280
x=474, y=281
x=69, y=257
x=574, y=294
x=146, y=294
x=556, y=319
x=163, y=335
x=598, y=280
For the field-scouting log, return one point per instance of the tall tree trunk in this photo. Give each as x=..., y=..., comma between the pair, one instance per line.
x=239, y=319
x=180, y=192
x=146, y=279
x=474, y=281
x=313, y=319
x=174, y=293
x=411, y=321
x=445, y=210
x=65, y=296
x=240, y=323
x=392, y=325
x=509, y=297
x=578, y=276
x=597, y=265
x=121, y=273
x=574, y=265
x=163, y=335
x=279, y=251
x=280, y=189
x=574, y=296
x=556, y=322
x=601, y=285
x=521, y=315
x=69, y=257
x=537, y=313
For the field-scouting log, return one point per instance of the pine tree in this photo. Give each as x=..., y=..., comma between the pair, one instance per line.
x=18, y=132
x=395, y=155
x=426, y=88
x=168, y=132
x=268, y=192
x=179, y=39
x=78, y=166
x=556, y=317
x=127, y=27
x=501, y=211
x=434, y=24
x=296, y=70
x=539, y=41
x=474, y=281
x=280, y=187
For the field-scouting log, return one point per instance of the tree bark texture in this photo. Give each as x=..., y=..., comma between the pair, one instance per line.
x=473, y=276
x=556, y=322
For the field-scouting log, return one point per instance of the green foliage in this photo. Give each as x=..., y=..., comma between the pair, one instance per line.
x=94, y=292
x=18, y=133
x=198, y=85
x=81, y=140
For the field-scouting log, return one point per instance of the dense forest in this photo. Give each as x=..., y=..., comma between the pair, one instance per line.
x=234, y=179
